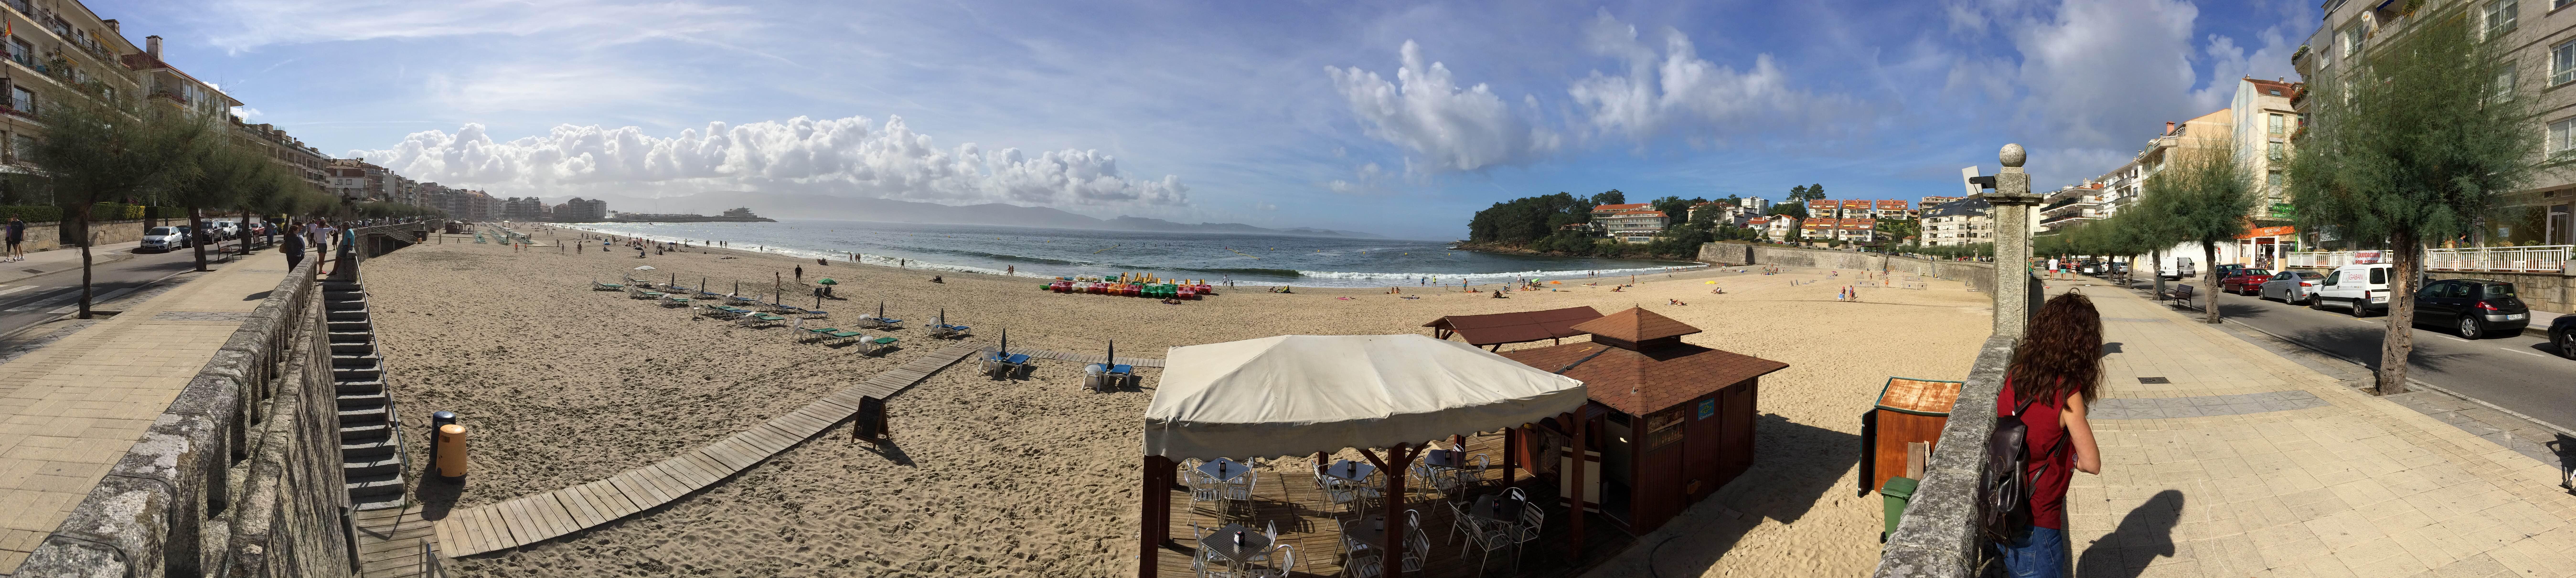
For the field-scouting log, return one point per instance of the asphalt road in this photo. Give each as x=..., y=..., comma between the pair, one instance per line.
x=2520, y=373
x=45, y=297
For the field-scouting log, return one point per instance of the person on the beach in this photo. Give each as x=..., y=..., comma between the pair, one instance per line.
x=822, y=263
x=2053, y=376
x=936, y=279
x=800, y=272
x=1011, y=270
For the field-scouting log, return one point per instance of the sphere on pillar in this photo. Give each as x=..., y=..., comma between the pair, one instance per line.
x=2012, y=156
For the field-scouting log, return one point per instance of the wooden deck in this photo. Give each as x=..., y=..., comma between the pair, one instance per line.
x=537, y=517
x=392, y=543
x=1082, y=357
x=1287, y=495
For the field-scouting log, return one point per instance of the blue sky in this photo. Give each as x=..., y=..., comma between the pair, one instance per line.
x=1389, y=117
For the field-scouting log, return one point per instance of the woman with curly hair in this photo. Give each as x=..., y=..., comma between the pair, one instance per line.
x=2055, y=372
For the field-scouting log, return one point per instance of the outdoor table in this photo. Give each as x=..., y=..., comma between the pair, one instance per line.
x=1451, y=459
x=1350, y=471
x=1222, y=543
x=1223, y=470
x=1493, y=510
x=1364, y=534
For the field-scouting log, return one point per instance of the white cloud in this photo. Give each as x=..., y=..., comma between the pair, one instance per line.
x=848, y=156
x=1676, y=91
x=246, y=113
x=550, y=86
x=1450, y=128
x=1365, y=179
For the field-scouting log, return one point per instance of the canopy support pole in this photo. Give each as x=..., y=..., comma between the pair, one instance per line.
x=1511, y=454
x=1397, y=459
x=1157, y=517
x=1581, y=457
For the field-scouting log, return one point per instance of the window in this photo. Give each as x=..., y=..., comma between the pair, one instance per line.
x=2559, y=133
x=2433, y=291
x=2272, y=151
x=2562, y=63
x=22, y=100
x=2272, y=179
x=2278, y=123
x=2500, y=16
x=2379, y=275
x=2352, y=38
x=2505, y=78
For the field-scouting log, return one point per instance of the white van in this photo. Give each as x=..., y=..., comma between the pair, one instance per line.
x=2362, y=289
x=2176, y=269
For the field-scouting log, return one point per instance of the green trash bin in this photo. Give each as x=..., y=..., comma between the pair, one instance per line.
x=1896, y=493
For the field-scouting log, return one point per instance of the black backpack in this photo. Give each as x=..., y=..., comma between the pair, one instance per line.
x=2003, y=495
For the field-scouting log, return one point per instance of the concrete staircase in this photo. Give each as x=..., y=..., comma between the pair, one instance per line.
x=370, y=434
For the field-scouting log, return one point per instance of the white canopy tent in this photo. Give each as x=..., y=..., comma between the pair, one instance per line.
x=1302, y=394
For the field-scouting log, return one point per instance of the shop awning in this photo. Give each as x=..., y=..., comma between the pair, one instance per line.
x=1301, y=394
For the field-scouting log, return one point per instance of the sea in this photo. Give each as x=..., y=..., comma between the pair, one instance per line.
x=1247, y=259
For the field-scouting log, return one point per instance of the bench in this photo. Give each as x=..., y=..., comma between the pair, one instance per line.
x=2180, y=295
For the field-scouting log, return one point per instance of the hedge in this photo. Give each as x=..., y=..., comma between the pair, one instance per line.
x=32, y=213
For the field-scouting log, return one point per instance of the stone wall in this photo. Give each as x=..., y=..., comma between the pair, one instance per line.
x=238, y=477
x=45, y=236
x=1980, y=277
x=1939, y=537
x=1726, y=253
x=2551, y=292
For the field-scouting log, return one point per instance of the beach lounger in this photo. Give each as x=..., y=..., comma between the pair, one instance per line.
x=945, y=331
x=828, y=335
x=598, y=286
x=1118, y=375
x=1001, y=365
x=633, y=292
x=673, y=300
x=748, y=318
x=886, y=323
x=875, y=345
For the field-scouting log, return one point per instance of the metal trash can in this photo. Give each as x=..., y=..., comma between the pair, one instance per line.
x=1896, y=493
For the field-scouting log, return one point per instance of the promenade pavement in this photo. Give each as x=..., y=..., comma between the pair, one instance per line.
x=72, y=408
x=2221, y=458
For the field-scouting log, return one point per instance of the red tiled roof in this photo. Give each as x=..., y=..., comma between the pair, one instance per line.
x=1598, y=208
x=1636, y=324
x=1638, y=213
x=1643, y=382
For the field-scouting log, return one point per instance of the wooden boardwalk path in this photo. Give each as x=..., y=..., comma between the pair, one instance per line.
x=392, y=543
x=1081, y=357
x=537, y=517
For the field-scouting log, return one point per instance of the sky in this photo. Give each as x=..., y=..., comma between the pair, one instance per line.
x=1397, y=118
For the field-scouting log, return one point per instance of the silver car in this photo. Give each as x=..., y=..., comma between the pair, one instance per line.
x=2292, y=287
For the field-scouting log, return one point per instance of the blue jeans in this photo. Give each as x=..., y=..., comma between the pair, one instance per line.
x=2040, y=554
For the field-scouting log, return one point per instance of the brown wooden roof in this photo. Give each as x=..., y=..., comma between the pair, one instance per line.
x=1525, y=326
x=1636, y=325
x=1643, y=382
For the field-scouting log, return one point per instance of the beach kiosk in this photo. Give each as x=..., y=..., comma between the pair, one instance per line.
x=1909, y=411
x=1295, y=395
x=1495, y=329
x=1665, y=425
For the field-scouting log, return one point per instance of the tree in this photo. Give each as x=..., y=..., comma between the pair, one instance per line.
x=2203, y=195
x=1610, y=197
x=101, y=147
x=2413, y=145
x=216, y=170
x=1793, y=209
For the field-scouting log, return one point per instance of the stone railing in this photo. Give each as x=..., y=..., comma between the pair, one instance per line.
x=238, y=477
x=1939, y=537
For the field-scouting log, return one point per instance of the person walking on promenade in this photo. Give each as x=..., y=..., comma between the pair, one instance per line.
x=2055, y=372
x=294, y=249
x=17, y=234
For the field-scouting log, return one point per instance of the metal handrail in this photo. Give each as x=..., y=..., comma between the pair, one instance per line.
x=2525, y=259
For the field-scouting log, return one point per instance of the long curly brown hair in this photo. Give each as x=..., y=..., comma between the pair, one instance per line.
x=2060, y=352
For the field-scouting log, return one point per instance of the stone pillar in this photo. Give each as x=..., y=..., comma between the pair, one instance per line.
x=2012, y=202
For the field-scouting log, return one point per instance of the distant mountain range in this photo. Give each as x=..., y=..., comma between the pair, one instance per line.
x=893, y=211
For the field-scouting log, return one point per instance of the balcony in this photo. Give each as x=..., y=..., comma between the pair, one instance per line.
x=2531, y=259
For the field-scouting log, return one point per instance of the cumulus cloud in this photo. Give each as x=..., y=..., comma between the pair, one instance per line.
x=1363, y=180
x=849, y=156
x=1448, y=127
x=1676, y=91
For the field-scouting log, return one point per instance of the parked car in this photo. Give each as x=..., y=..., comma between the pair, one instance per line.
x=2292, y=287
x=2563, y=333
x=2175, y=269
x=159, y=239
x=225, y=230
x=2363, y=289
x=2243, y=280
x=2093, y=267
x=2472, y=307
x=2225, y=271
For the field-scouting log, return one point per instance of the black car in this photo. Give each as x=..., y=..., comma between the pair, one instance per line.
x=2563, y=333
x=2471, y=307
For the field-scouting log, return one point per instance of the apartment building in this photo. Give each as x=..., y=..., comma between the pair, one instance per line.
x=2263, y=122
x=1857, y=230
x=579, y=210
x=2072, y=205
x=2541, y=40
x=53, y=49
x=1824, y=209
x=305, y=162
x=464, y=204
x=1633, y=225
x=1925, y=206
x=1890, y=209
x=168, y=86
x=1605, y=211
x=523, y=209
x=1960, y=222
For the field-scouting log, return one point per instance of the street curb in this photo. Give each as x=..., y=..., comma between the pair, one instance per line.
x=2412, y=382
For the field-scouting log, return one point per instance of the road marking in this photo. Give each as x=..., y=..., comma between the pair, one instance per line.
x=2523, y=351
x=47, y=303
x=16, y=288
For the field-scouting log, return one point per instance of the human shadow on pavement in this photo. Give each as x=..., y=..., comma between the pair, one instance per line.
x=2145, y=534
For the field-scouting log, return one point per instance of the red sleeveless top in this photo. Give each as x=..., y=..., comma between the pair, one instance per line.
x=2048, y=490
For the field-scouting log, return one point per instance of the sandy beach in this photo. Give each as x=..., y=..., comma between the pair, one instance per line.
x=563, y=385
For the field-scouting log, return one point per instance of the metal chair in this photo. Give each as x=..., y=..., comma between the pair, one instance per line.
x=1241, y=492
x=1205, y=562
x=1533, y=518
x=1459, y=520
x=1417, y=545
x=1488, y=539
x=1201, y=488
x=1286, y=554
